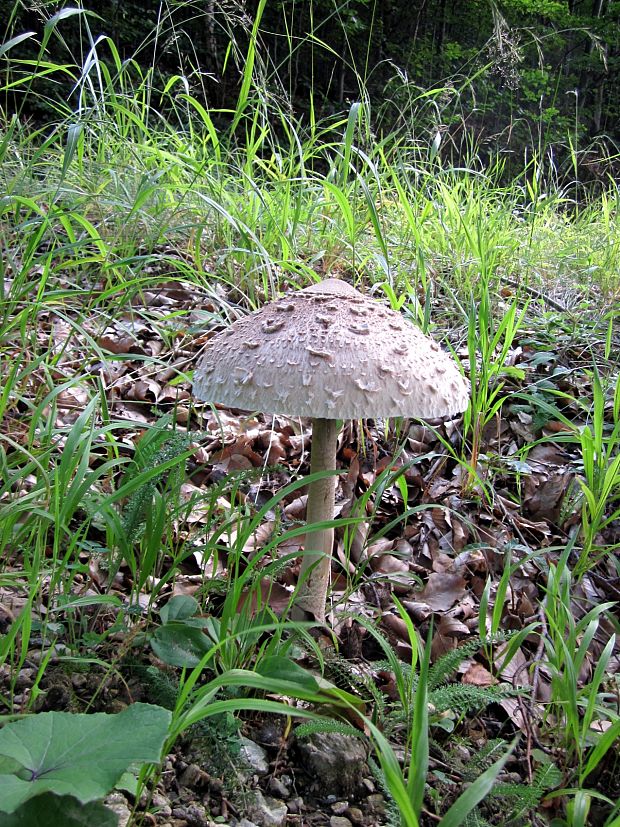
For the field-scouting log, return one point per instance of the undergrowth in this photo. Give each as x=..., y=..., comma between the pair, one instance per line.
x=134, y=221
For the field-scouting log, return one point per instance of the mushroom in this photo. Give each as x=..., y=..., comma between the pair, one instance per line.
x=329, y=353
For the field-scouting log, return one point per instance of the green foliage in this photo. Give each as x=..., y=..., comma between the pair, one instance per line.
x=490, y=336
x=426, y=700
x=161, y=687
x=216, y=741
x=528, y=57
x=567, y=646
x=519, y=799
x=443, y=696
x=59, y=811
x=180, y=640
x=158, y=447
x=123, y=175
x=326, y=725
x=392, y=815
x=600, y=450
x=79, y=755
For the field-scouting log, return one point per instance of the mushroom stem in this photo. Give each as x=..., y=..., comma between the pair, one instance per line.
x=312, y=594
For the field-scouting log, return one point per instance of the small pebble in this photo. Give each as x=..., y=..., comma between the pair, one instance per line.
x=369, y=784
x=216, y=785
x=339, y=821
x=340, y=808
x=376, y=803
x=264, y=810
x=278, y=788
x=193, y=776
x=463, y=753
x=254, y=756
x=511, y=777
x=295, y=805
x=24, y=678
x=356, y=815
x=78, y=680
x=161, y=803
x=196, y=815
x=118, y=804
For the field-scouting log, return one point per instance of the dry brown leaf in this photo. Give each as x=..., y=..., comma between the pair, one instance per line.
x=543, y=493
x=418, y=611
x=460, y=535
x=388, y=564
x=117, y=344
x=378, y=548
x=259, y=538
x=442, y=591
x=396, y=625
x=478, y=675
x=144, y=390
x=296, y=509
x=516, y=672
x=512, y=708
x=74, y=397
x=452, y=627
x=272, y=594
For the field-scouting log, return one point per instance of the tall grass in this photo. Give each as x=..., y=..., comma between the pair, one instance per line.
x=129, y=186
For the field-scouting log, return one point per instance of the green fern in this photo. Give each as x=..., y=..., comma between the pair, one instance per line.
x=463, y=697
x=512, y=800
x=161, y=687
x=449, y=662
x=526, y=797
x=215, y=740
x=151, y=454
x=475, y=819
x=327, y=726
x=482, y=758
x=392, y=813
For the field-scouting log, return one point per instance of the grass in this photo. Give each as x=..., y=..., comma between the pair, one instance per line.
x=131, y=224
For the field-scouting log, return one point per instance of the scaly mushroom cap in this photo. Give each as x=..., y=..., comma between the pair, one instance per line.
x=330, y=352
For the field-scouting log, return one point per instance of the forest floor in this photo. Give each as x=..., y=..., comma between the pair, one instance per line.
x=495, y=559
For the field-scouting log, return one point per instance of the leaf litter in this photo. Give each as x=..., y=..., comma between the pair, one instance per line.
x=436, y=559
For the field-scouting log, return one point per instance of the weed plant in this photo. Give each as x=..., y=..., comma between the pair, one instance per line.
x=128, y=188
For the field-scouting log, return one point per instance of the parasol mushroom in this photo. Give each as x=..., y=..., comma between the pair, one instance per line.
x=329, y=353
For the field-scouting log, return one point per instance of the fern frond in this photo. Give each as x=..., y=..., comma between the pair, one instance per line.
x=485, y=756
x=149, y=458
x=475, y=819
x=327, y=726
x=462, y=697
x=528, y=796
x=448, y=663
x=392, y=812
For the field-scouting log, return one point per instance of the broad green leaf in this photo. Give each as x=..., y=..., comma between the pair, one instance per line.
x=284, y=669
x=180, y=644
x=59, y=811
x=179, y=607
x=79, y=755
x=74, y=132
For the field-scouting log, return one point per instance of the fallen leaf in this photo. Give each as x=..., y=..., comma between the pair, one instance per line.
x=442, y=591
x=478, y=675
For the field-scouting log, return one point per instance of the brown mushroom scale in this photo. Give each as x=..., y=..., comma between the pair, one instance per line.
x=329, y=353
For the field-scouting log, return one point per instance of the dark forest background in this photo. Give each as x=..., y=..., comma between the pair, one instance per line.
x=512, y=76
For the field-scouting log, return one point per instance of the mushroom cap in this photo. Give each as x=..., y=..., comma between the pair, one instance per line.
x=329, y=352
